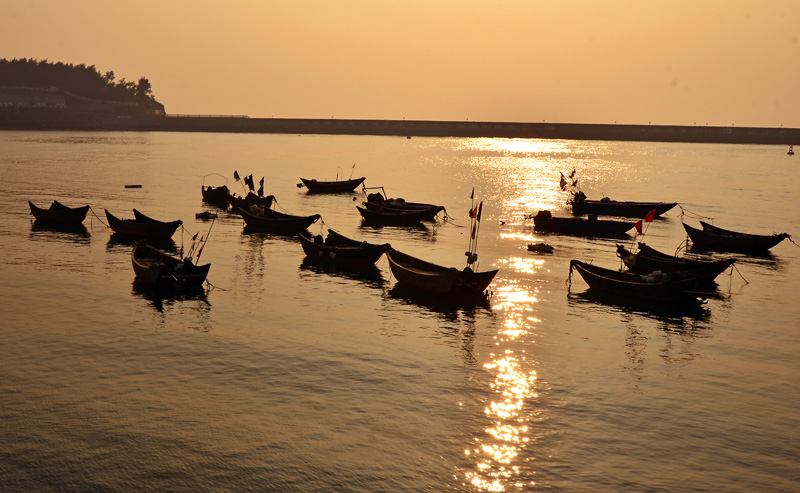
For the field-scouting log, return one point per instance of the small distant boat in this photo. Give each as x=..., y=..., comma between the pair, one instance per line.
x=335, y=186
x=431, y=278
x=59, y=213
x=545, y=221
x=540, y=248
x=156, y=268
x=339, y=249
x=272, y=220
x=657, y=286
x=648, y=260
x=142, y=226
x=607, y=207
x=393, y=218
x=724, y=240
x=216, y=196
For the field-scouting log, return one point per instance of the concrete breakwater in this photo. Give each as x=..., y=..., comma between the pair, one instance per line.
x=67, y=120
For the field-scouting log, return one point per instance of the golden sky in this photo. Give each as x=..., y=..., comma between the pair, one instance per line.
x=677, y=62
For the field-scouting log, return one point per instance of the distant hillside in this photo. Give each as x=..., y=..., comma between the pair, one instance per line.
x=80, y=85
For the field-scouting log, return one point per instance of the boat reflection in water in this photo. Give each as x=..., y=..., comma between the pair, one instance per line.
x=674, y=313
x=369, y=275
x=74, y=233
x=161, y=298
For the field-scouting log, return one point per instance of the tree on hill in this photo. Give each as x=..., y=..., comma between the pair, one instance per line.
x=79, y=80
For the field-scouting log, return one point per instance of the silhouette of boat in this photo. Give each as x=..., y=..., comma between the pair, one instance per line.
x=335, y=186
x=339, y=249
x=157, y=268
x=272, y=220
x=724, y=240
x=545, y=221
x=142, y=226
x=59, y=213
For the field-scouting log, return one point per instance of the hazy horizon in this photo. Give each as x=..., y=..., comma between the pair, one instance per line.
x=714, y=63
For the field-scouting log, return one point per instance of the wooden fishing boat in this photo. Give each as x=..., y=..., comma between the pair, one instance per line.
x=157, y=268
x=272, y=220
x=248, y=201
x=723, y=240
x=379, y=202
x=216, y=196
x=59, y=213
x=607, y=207
x=544, y=221
x=661, y=287
x=142, y=226
x=393, y=218
x=431, y=278
x=335, y=186
x=648, y=260
x=339, y=249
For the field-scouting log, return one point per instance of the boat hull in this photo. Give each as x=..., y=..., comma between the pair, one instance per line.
x=427, y=277
x=156, y=268
x=626, y=285
x=59, y=214
x=647, y=260
x=338, y=186
x=545, y=222
x=392, y=218
x=622, y=209
x=278, y=222
x=142, y=226
x=721, y=240
x=341, y=250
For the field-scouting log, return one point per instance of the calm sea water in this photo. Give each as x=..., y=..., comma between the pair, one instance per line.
x=285, y=376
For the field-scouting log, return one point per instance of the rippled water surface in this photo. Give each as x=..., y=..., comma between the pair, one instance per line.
x=290, y=376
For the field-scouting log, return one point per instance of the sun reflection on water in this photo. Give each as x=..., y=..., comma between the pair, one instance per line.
x=496, y=452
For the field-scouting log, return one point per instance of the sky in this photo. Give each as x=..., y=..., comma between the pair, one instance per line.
x=676, y=62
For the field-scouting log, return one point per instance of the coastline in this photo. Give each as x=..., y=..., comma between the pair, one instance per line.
x=33, y=119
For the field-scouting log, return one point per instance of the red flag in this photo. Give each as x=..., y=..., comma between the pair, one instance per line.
x=648, y=218
x=474, y=231
x=480, y=209
x=639, y=226
x=199, y=252
x=473, y=212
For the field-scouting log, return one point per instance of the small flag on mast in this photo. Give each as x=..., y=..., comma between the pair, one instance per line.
x=236, y=176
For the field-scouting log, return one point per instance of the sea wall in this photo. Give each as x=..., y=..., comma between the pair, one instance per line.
x=74, y=120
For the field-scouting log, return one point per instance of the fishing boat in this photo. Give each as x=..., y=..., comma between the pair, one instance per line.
x=216, y=196
x=142, y=226
x=380, y=202
x=251, y=199
x=339, y=249
x=335, y=186
x=656, y=286
x=607, y=207
x=648, y=260
x=435, y=279
x=157, y=268
x=59, y=213
x=272, y=220
x=393, y=218
x=546, y=222
x=723, y=240
x=429, y=278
